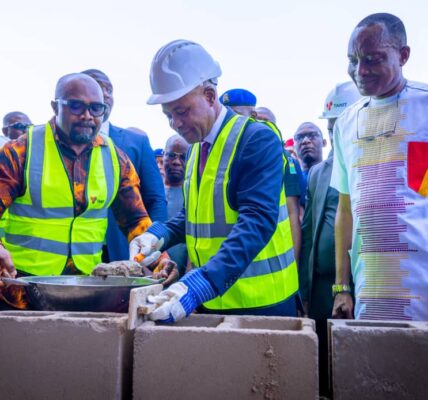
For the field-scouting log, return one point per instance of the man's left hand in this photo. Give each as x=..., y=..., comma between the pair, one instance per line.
x=181, y=298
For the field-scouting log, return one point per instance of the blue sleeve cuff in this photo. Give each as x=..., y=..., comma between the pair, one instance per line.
x=201, y=287
x=160, y=231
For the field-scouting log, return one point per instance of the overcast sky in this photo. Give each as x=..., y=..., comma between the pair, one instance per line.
x=289, y=53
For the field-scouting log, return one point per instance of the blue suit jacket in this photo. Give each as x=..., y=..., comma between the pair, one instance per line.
x=137, y=147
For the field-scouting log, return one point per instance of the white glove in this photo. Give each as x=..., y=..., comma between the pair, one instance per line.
x=146, y=244
x=169, y=308
x=181, y=298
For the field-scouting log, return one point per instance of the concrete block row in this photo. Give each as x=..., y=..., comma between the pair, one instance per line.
x=59, y=355
x=379, y=360
x=65, y=355
x=226, y=357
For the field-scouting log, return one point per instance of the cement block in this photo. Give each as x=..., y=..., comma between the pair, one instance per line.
x=65, y=355
x=226, y=357
x=379, y=359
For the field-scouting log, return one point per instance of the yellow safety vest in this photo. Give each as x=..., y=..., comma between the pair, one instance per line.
x=42, y=230
x=272, y=276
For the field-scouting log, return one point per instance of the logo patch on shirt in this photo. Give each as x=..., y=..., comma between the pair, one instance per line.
x=291, y=165
x=417, y=167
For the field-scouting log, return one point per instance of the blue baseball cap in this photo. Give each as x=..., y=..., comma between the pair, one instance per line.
x=158, y=152
x=238, y=97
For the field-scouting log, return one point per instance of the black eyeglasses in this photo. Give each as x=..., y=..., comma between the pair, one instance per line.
x=310, y=135
x=172, y=155
x=19, y=126
x=390, y=115
x=78, y=107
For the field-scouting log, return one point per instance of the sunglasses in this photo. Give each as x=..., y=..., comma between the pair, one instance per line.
x=19, y=126
x=310, y=135
x=78, y=107
x=172, y=155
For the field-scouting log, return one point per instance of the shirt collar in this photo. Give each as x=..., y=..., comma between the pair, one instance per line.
x=105, y=128
x=215, y=129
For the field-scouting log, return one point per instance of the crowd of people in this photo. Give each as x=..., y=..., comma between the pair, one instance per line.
x=256, y=224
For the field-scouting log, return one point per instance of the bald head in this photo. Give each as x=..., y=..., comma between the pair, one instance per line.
x=16, y=116
x=67, y=84
x=308, y=126
x=176, y=140
x=265, y=114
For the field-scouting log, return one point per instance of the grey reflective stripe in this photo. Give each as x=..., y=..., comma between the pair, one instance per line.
x=219, y=208
x=207, y=231
x=269, y=266
x=39, y=244
x=283, y=213
x=189, y=169
x=85, y=248
x=26, y=210
x=36, y=165
x=52, y=246
x=95, y=213
x=108, y=172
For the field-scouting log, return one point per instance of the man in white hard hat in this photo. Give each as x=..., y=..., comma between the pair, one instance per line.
x=317, y=263
x=235, y=220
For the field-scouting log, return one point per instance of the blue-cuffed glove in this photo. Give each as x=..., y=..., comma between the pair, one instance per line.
x=181, y=298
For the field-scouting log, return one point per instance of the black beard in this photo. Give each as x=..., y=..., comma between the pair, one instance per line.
x=174, y=178
x=82, y=138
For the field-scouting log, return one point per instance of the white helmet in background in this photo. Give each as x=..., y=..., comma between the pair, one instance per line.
x=342, y=96
x=178, y=68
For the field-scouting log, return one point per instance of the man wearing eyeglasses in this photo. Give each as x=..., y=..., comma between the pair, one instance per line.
x=174, y=162
x=317, y=261
x=137, y=148
x=309, y=143
x=58, y=182
x=380, y=169
x=15, y=124
x=235, y=221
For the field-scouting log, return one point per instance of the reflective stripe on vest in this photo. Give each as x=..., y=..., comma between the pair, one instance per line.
x=272, y=276
x=42, y=231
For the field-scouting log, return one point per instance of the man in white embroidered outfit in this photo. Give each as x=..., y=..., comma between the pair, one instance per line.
x=381, y=171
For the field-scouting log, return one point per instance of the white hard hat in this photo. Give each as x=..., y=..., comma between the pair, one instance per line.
x=342, y=96
x=178, y=68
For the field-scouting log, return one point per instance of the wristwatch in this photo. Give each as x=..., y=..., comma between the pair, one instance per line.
x=336, y=289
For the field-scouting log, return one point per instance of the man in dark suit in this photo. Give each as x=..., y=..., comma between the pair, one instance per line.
x=317, y=261
x=137, y=148
x=235, y=221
